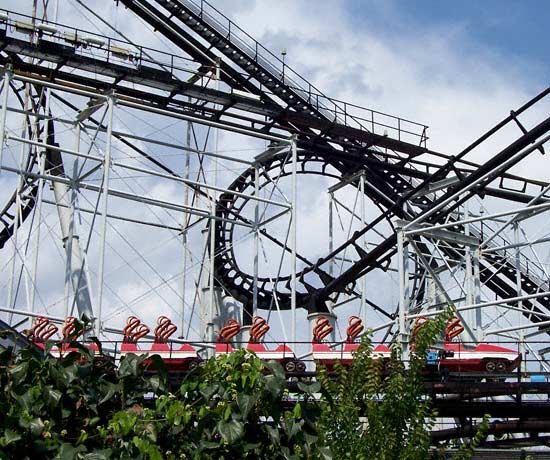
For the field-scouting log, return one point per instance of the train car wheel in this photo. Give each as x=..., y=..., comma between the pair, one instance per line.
x=501, y=366
x=300, y=366
x=490, y=366
x=290, y=366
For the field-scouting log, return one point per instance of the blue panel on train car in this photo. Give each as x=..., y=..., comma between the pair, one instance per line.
x=432, y=358
x=538, y=378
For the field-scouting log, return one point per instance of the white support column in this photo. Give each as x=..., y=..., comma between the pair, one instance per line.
x=477, y=295
x=68, y=241
x=214, y=306
x=517, y=263
x=293, y=237
x=210, y=333
x=468, y=260
x=211, y=305
x=3, y=111
x=64, y=199
x=256, y=241
x=469, y=283
x=77, y=283
x=184, y=231
x=403, y=263
x=104, y=209
x=38, y=218
x=211, y=281
x=363, y=307
x=38, y=209
x=205, y=287
x=12, y=297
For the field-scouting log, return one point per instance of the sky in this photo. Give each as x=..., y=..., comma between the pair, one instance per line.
x=512, y=28
x=455, y=66
x=458, y=67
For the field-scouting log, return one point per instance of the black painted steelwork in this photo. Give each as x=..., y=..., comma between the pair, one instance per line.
x=10, y=216
x=332, y=141
x=200, y=19
x=328, y=135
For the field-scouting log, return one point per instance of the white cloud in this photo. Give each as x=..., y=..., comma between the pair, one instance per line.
x=434, y=75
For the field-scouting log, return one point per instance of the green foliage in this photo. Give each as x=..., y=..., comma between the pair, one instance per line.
x=377, y=409
x=235, y=406
x=79, y=407
x=232, y=408
x=58, y=408
x=371, y=413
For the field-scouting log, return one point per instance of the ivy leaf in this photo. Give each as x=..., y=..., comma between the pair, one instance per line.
x=147, y=449
x=273, y=386
x=11, y=436
x=19, y=372
x=273, y=434
x=123, y=422
x=230, y=431
x=27, y=399
x=160, y=366
x=297, y=411
x=227, y=413
x=286, y=453
x=94, y=421
x=104, y=454
x=155, y=382
x=209, y=445
x=25, y=420
x=109, y=389
x=53, y=396
x=310, y=389
x=252, y=446
x=310, y=438
x=245, y=403
x=292, y=427
x=68, y=452
x=209, y=391
x=276, y=369
x=310, y=442
x=326, y=453
x=70, y=373
x=128, y=366
x=36, y=426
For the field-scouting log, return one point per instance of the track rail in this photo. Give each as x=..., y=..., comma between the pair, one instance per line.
x=291, y=106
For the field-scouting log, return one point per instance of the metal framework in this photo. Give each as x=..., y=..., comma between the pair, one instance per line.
x=434, y=228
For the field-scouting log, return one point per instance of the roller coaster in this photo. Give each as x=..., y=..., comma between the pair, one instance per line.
x=453, y=357
x=86, y=127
